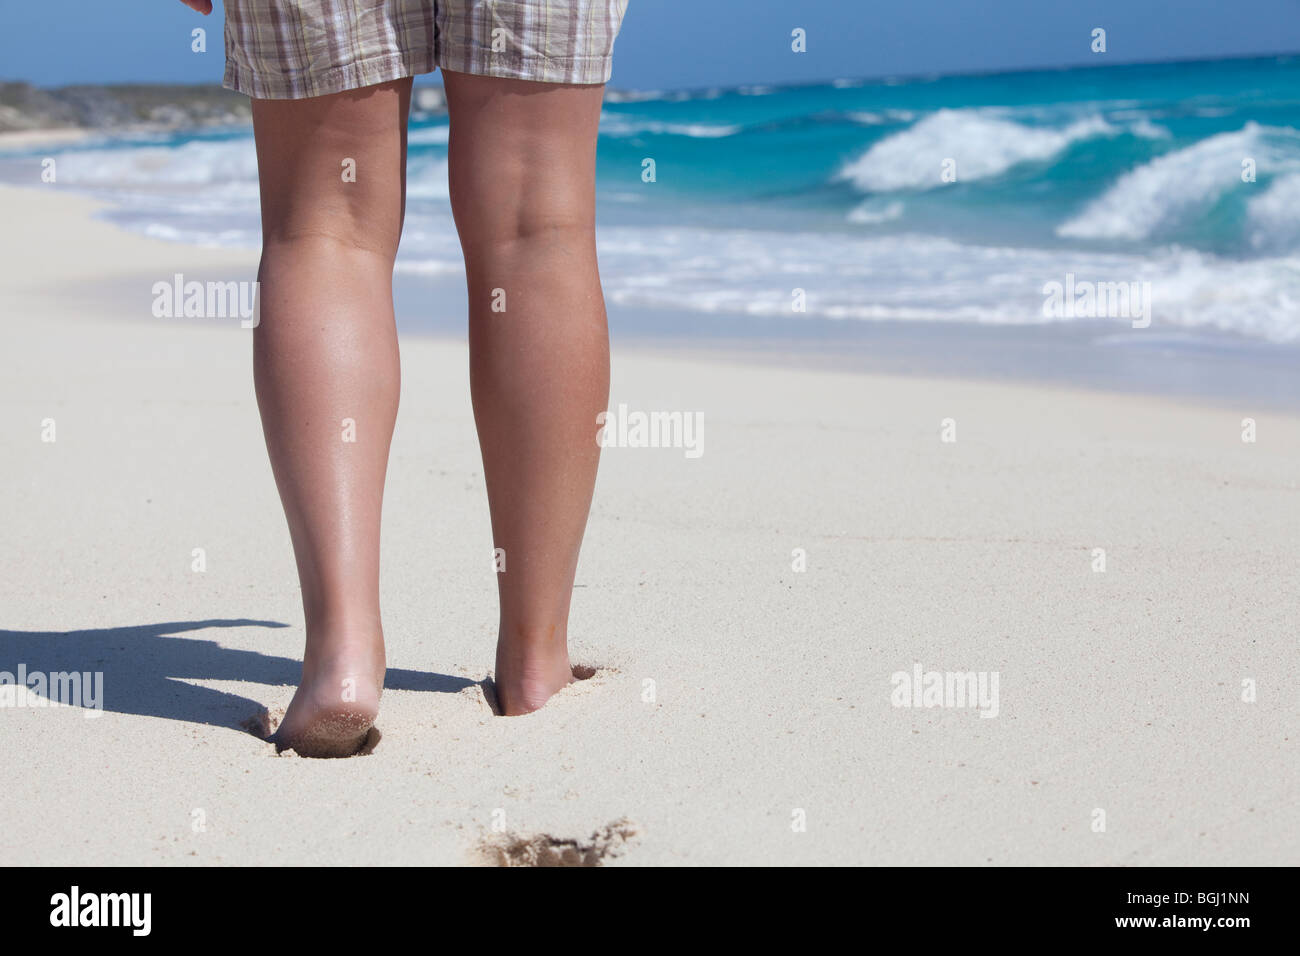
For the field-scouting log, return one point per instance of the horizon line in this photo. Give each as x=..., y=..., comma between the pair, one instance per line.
x=864, y=80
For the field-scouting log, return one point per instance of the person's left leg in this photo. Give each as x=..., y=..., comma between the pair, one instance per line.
x=522, y=159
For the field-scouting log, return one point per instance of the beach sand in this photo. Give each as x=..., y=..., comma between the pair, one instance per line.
x=733, y=698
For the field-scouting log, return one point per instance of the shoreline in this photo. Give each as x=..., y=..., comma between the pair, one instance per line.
x=54, y=136
x=1240, y=376
x=1204, y=367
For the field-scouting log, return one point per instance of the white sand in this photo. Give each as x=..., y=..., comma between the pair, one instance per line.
x=1118, y=690
x=24, y=138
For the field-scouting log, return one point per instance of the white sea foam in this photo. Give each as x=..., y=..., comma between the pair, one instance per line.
x=1148, y=130
x=204, y=235
x=1272, y=222
x=429, y=267
x=983, y=145
x=872, y=213
x=914, y=277
x=195, y=162
x=1156, y=197
x=622, y=125
x=867, y=118
x=634, y=96
x=426, y=178
x=429, y=136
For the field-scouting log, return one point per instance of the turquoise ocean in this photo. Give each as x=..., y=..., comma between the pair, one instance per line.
x=1184, y=175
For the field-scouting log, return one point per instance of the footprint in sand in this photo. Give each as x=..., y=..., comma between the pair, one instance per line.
x=545, y=850
x=263, y=724
x=486, y=691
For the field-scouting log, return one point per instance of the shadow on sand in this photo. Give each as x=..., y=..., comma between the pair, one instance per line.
x=145, y=669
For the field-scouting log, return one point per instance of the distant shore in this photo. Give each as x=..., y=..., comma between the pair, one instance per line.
x=53, y=136
x=122, y=108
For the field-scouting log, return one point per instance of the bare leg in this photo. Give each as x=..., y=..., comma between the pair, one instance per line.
x=325, y=354
x=522, y=170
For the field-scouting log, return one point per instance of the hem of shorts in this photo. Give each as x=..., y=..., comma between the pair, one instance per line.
x=339, y=79
x=572, y=71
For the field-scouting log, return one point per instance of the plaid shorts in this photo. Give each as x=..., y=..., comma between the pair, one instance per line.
x=289, y=49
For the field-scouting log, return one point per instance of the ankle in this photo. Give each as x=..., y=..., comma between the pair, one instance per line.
x=352, y=621
x=352, y=654
x=533, y=641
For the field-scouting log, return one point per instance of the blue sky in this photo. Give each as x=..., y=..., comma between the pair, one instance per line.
x=696, y=43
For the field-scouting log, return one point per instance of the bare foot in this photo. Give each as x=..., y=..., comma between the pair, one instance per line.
x=530, y=670
x=337, y=703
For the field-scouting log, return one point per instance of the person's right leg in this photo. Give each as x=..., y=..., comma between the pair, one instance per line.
x=522, y=158
x=325, y=365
